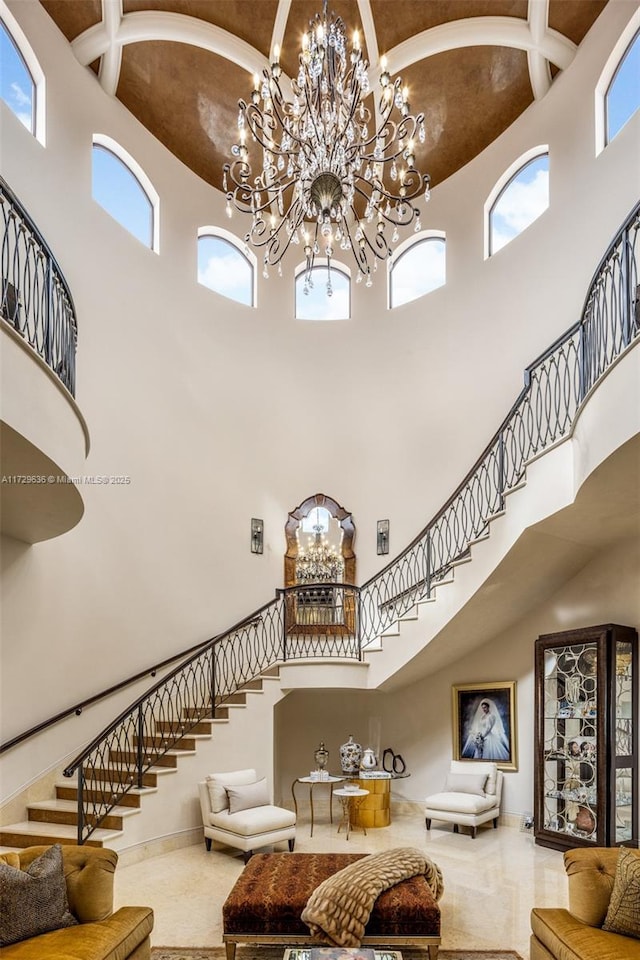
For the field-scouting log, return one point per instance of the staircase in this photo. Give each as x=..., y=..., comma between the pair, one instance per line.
x=56, y=820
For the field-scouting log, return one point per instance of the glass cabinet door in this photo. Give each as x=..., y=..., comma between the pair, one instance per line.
x=623, y=739
x=570, y=783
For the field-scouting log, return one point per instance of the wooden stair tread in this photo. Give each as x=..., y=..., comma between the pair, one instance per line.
x=70, y=806
x=29, y=833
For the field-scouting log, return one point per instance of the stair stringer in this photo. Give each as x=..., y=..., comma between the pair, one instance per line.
x=609, y=417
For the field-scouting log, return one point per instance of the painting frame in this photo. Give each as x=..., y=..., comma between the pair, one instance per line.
x=500, y=739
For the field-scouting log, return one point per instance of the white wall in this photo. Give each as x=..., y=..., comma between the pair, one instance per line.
x=204, y=403
x=416, y=721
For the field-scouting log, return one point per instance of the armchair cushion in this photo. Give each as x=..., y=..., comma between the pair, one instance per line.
x=470, y=803
x=623, y=915
x=465, y=783
x=249, y=823
x=248, y=796
x=217, y=784
x=34, y=900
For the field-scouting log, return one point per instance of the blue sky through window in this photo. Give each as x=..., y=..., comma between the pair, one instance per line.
x=16, y=84
x=316, y=304
x=120, y=193
x=418, y=270
x=223, y=268
x=623, y=95
x=521, y=202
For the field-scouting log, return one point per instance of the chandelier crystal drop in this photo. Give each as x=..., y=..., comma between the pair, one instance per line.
x=333, y=172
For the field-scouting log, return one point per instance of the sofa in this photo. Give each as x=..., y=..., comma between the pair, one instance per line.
x=100, y=934
x=577, y=933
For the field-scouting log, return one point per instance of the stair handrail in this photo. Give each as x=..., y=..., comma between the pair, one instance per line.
x=78, y=708
x=557, y=382
x=35, y=299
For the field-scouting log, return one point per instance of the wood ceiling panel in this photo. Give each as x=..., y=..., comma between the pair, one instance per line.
x=469, y=97
x=187, y=98
x=574, y=17
x=73, y=18
x=397, y=21
x=250, y=20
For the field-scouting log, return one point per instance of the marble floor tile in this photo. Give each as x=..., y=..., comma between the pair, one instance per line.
x=491, y=883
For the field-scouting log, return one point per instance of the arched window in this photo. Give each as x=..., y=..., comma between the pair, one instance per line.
x=224, y=268
x=313, y=299
x=518, y=199
x=122, y=188
x=417, y=268
x=622, y=98
x=21, y=79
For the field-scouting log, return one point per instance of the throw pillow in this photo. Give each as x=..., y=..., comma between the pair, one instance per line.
x=34, y=901
x=247, y=797
x=623, y=915
x=465, y=783
x=217, y=784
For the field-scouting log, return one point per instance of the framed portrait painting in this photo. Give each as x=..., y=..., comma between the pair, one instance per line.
x=484, y=723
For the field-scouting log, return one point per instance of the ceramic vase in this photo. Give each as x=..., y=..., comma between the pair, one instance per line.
x=368, y=761
x=350, y=754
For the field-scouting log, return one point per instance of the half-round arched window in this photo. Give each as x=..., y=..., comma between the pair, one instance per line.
x=21, y=78
x=417, y=268
x=224, y=267
x=622, y=97
x=325, y=295
x=122, y=188
x=519, y=197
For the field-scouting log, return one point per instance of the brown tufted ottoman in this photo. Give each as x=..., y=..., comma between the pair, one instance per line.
x=268, y=897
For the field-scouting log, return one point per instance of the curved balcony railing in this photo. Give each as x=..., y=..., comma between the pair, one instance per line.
x=36, y=300
x=339, y=620
x=555, y=386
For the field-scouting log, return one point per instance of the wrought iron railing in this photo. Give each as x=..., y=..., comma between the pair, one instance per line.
x=35, y=298
x=555, y=386
x=160, y=720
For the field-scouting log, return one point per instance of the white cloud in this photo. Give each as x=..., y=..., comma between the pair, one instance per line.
x=419, y=271
x=19, y=97
x=228, y=274
x=521, y=203
x=316, y=305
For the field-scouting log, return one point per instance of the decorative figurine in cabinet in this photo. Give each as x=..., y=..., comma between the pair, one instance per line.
x=586, y=769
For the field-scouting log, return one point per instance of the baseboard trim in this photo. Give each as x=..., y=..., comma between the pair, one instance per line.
x=159, y=845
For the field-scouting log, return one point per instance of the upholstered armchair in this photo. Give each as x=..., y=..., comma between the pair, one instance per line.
x=471, y=795
x=237, y=811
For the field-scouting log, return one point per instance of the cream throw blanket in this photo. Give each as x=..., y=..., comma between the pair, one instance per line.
x=338, y=909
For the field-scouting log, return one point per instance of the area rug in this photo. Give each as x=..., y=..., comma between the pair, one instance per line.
x=276, y=953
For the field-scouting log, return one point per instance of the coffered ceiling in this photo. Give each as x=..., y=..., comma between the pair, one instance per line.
x=180, y=66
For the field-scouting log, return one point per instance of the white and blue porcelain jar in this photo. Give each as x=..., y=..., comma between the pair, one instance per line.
x=350, y=754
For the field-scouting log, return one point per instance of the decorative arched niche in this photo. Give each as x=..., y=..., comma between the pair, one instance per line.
x=292, y=531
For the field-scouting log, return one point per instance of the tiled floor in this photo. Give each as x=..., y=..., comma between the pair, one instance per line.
x=491, y=882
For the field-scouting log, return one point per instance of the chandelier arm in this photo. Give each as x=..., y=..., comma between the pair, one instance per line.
x=358, y=252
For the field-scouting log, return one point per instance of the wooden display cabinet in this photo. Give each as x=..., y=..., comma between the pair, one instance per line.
x=586, y=753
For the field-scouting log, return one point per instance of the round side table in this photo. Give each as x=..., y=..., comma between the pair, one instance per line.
x=312, y=783
x=350, y=800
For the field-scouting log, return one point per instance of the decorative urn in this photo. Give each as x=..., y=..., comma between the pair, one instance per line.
x=350, y=754
x=368, y=761
x=321, y=756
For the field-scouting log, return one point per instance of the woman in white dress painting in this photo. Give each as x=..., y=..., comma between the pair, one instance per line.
x=487, y=739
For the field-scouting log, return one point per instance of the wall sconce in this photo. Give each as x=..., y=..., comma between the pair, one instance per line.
x=257, y=535
x=383, y=537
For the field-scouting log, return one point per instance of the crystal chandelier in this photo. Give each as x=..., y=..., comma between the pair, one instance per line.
x=321, y=563
x=333, y=173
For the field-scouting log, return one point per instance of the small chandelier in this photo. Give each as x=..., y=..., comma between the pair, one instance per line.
x=333, y=174
x=321, y=563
